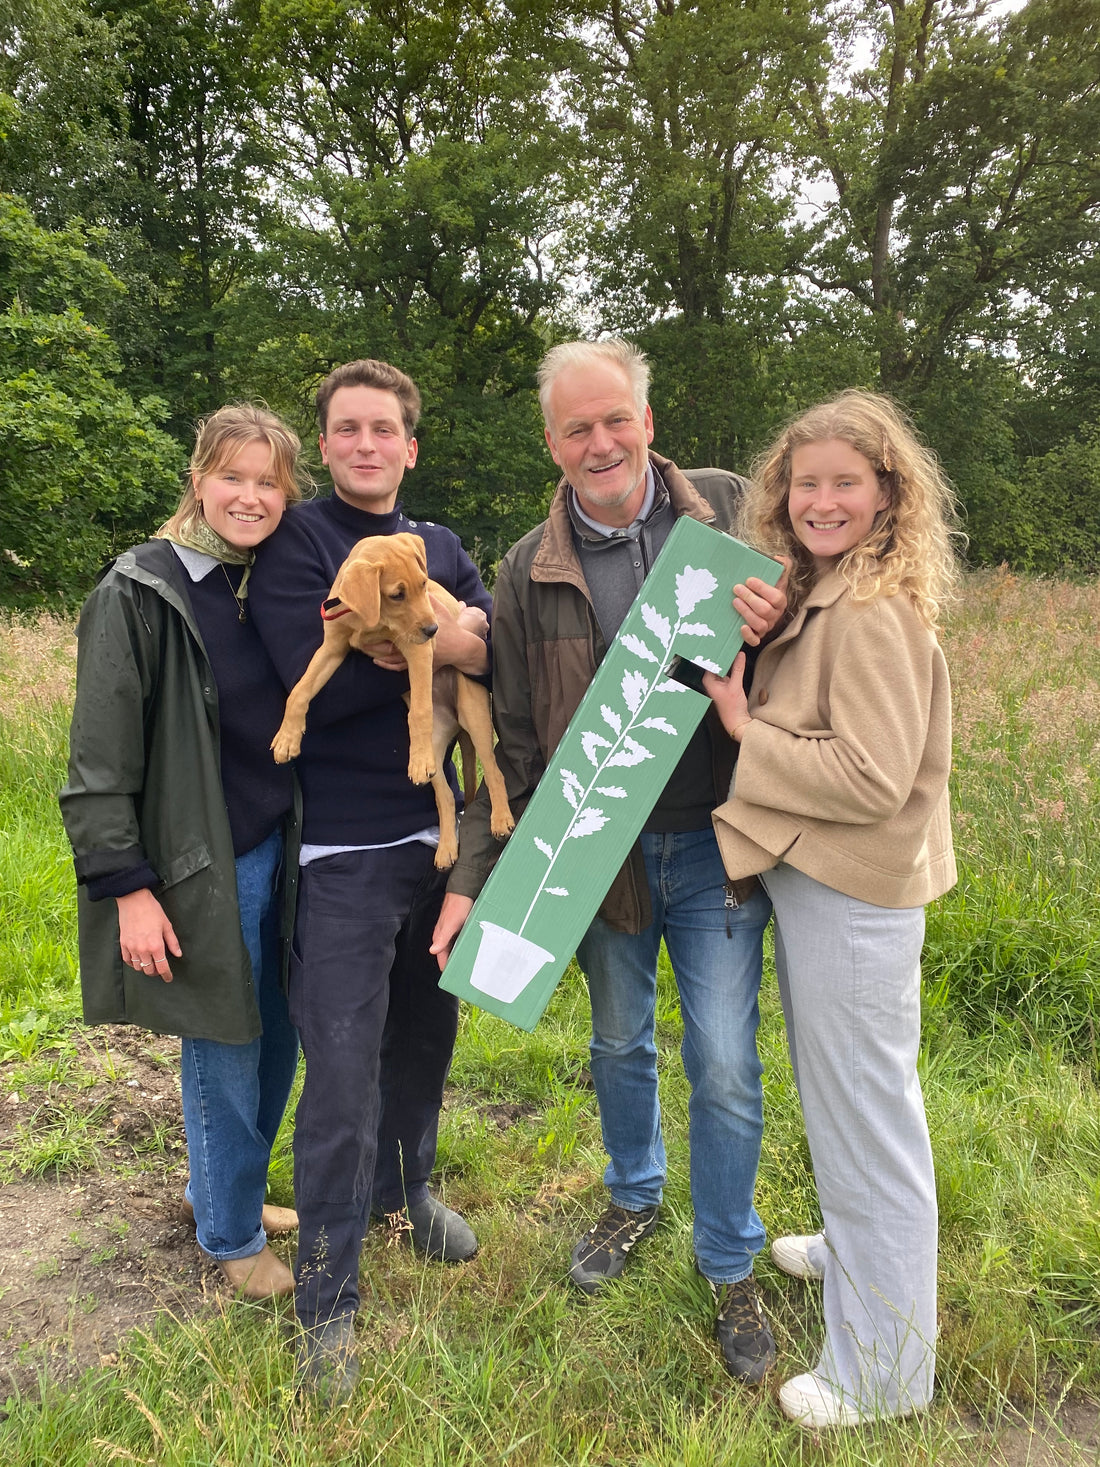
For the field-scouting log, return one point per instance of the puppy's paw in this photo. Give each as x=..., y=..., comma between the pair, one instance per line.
x=286, y=745
x=446, y=853
x=502, y=825
x=421, y=771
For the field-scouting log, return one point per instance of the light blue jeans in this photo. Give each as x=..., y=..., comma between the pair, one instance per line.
x=716, y=955
x=849, y=978
x=234, y=1095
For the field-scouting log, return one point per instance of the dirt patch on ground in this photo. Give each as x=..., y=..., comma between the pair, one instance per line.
x=1065, y=1434
x=94, y=1245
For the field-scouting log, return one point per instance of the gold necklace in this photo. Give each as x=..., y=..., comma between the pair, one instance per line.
x=242, y=610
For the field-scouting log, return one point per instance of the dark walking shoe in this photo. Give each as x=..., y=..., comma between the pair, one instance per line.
x=748, y=1349
x=602, y=1253
x=328, y=1367
x=433, y=1229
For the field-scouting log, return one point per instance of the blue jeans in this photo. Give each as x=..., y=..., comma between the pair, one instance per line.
x=716, y=955
x=234, y=1095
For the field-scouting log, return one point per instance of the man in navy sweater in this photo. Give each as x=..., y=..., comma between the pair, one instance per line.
x=377, y=1031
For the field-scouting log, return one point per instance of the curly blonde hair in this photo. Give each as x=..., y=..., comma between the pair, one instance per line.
x=909, y=547
x=220, y=437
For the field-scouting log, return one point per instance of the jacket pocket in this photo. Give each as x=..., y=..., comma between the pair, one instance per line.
x=196, y=859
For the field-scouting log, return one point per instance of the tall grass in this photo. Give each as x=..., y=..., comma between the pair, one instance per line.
x=38, y=926
x=501, y=1361
x=1015, y=945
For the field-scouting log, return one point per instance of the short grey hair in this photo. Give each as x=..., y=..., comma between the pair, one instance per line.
x=614, y=350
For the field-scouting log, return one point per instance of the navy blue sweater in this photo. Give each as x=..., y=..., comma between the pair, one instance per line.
x=258, y=792
x=354, y=761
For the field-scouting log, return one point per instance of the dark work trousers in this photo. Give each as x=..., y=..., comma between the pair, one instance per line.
x=377, y=1033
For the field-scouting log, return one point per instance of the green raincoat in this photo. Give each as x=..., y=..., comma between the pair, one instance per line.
x=145, y=785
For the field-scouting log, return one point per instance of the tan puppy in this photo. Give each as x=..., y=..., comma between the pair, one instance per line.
x=381, y=594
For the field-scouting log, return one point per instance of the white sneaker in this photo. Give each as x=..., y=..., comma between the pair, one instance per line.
x=809, y=1403
x=793, y=1256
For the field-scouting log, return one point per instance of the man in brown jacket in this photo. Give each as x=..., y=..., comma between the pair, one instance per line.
x=561, y=595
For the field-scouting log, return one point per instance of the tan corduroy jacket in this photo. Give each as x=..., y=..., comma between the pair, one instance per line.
x=842, y=772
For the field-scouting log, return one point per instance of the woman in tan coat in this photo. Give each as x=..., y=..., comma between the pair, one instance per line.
x=840, y=804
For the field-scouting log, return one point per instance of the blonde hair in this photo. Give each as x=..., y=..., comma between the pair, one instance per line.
x=629, y=358
x=219, y=438
x=909, y=546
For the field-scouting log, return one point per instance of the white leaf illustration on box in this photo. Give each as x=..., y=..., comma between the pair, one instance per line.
x=602, y=781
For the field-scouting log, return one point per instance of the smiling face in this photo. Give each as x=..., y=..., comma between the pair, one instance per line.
x=834, y=497
x=599, y=439
x=365, y=448
x=240, y=499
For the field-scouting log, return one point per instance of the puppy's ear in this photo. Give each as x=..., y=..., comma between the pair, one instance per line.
x=416, y=545
x=357, y=586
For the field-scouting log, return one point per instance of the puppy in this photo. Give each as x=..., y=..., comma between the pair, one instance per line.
x=381, y=594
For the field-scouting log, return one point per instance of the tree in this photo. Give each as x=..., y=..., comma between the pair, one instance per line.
x=1059, y=345
x=137, y=116
x=722, y=389
x=777, y=197
x=687, y=105
x=84, y=469
x=963, y=171
x=899, y=194
x=199, y=164
x=63, y=130
x=422, y=180
x=1058, y=524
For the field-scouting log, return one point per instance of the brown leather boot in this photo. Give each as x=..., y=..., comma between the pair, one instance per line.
x=261, y=1276
x=276, y=1221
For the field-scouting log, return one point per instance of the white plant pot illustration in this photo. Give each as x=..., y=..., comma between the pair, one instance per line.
x=506, y=962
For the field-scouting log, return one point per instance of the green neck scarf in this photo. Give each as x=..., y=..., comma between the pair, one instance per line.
x=199, y=536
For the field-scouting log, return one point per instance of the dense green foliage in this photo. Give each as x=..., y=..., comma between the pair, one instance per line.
x=85, y=469
x=777, y=200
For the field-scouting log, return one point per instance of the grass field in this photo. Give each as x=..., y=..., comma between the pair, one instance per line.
x=500, y=1361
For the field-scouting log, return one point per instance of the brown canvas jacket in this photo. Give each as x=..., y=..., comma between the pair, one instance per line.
x=546, y=648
